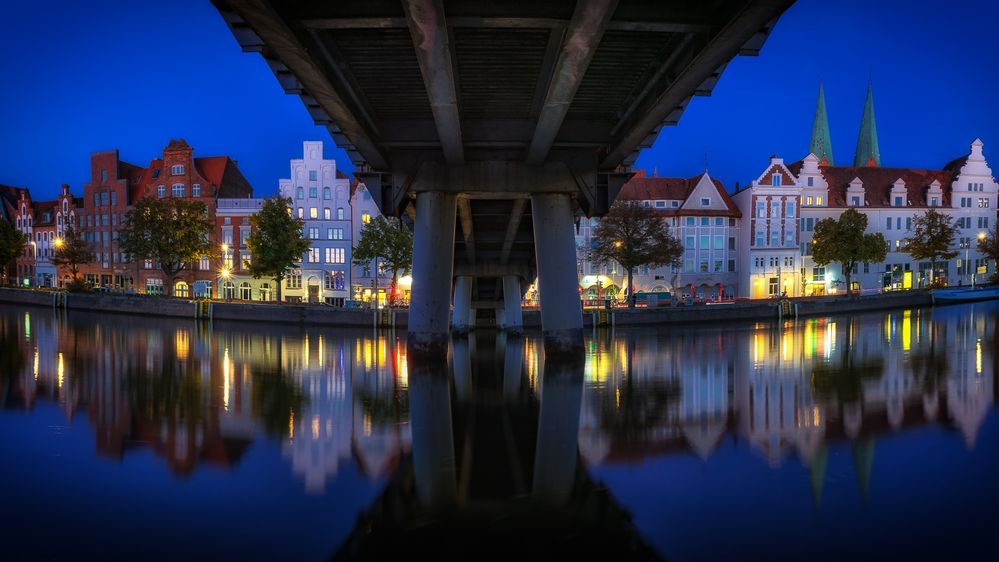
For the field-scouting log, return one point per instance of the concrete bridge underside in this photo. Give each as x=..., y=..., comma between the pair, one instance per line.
x=493, y=124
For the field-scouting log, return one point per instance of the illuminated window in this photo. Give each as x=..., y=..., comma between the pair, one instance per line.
x=366, y=218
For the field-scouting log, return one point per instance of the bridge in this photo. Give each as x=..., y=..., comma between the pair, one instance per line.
x=492, y=124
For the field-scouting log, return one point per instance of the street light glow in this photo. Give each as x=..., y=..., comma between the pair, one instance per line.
x=58, y=243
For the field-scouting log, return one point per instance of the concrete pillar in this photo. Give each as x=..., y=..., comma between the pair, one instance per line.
x=434, y=468
x=462, y=304
x=558, y=285
x=433, y=260
x=558, y=428
x=513, y=317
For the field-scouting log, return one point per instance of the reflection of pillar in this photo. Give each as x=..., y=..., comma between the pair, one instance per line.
x=554, y=242
x=462, y=359
x=513, y=364
x=558, y=428
x=513, y=319
x=462, y=303
x=433, y=440
x=433, y=260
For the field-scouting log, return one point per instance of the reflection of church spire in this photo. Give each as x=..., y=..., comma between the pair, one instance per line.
x=868, y=153
x=821, y=145
x=817, y=475
x=863, y=462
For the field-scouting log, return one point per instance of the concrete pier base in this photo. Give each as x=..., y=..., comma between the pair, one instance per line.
x=511, y=313
x=433, y=262
x=558, y=285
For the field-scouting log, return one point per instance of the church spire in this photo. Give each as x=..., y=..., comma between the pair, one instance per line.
x=868, y=153
x=821, y=145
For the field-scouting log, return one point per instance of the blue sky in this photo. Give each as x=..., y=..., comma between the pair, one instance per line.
x=86, y=76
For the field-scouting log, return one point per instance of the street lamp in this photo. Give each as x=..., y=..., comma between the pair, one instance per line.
x=57, y=243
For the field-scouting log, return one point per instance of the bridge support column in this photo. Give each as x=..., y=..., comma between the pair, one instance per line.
x=462, y=315
x=558, y=285
x=513, y=317
x=433, y=260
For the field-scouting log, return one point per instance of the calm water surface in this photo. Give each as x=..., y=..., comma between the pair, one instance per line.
x=855, y=437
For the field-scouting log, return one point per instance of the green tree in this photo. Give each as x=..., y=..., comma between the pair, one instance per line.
x=389, y=242
x=843, y=241
x=989, y=245
x=11, y=245
x=172, y=232
x=932, y=237
x=634, y=235
x=72, y=251
x=277, y=242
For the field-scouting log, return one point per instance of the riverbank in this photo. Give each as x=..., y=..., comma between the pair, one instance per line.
x=306, y=314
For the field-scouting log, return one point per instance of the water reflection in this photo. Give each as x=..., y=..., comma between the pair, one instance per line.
x=497, y=435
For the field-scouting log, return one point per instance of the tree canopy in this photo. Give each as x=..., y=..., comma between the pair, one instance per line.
x=844, y=241
x=72, y=251
x=388, y=241
x=277, y=242
x=932, y=237
x=634, y=236
x=11, y=244
x=172, y=232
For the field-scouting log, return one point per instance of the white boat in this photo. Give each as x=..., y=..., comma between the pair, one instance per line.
x=951, y=296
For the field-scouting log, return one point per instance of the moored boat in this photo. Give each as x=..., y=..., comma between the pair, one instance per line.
x=958, y=295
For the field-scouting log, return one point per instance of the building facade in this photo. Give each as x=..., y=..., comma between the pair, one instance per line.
x=704, y=218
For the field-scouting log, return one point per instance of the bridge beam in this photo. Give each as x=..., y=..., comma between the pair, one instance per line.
x=558, y=285
x=433, y=260
x=433, y=52
x=589, y=20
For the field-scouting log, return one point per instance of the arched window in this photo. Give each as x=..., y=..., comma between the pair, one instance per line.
x=228, y=290
x=180, y=289
x=326, y=193
x=65, y=206
x=177, y=169
x=300, y=193
x=245, y=292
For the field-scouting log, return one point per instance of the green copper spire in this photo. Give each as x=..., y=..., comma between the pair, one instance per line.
x=821, y=143
x=867, y=142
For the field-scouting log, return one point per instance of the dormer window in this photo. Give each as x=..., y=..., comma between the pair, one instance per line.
x=676, y=204
x=705, y=201
x=775, y=179
x=934, y=202
x=660, y=204
x=855, y=201
x=811, y=181
x=898, y=202
x=177, y=170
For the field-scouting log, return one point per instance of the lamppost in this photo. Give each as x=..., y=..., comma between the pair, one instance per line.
x=225, y=272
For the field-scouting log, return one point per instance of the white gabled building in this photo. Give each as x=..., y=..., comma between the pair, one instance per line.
x=705, y=219
x=320, y=195
x=786, y=202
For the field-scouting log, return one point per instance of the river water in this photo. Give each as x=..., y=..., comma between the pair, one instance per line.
x=867, y=436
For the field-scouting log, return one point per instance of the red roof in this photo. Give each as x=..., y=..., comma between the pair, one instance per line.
x=641, y=188
x=878, y=183
x=42, y=207
x=9, y=195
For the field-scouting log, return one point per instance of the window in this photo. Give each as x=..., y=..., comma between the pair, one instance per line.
x=312, y=175
x=335, y=255
x=761, y=209
x=809, y=201
x=760, y=238
x=934, y=202
x=301, y=213
x=177, y=190
x=97, y=201
x=195, y=190
x=104, y=175
x=327, y=213
x=300, y=193
x=789, y=209
x=313, y=192
x=788, y=237
x=244, y=235
x=775, y=209
x=719, y=221
x=365, y=218
x=908, y=223
x=811, y=181
x=161, y=191
x=775, y=179
x=774, y=237
x=334, y=280
x=731, y=242
x=675, y=204
x=705, y=201
x=731, y=265
x=855, y=201
x=719, y=242
x=313, y=213
x=705, y=221
x=818, y=200
x=313, y=233
x=154, y=286
x=334, y=233
x=339, y=213
x=691, y=221
x=705, y=242
x=660, y=204
x=818, y=274
x=703, y=268
x=888, y=223
x=326, y=193
x=690, y=243
x=718, y=265
x=204, y=264
x=898, y=201
x=313, y=255
x=176, y=169
x=983, y=202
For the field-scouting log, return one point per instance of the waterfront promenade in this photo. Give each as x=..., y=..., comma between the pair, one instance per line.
x=323, y=315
